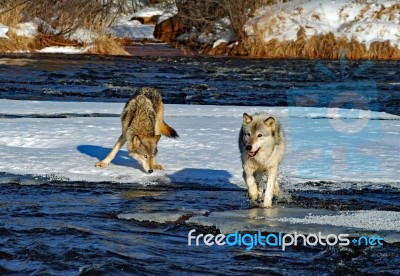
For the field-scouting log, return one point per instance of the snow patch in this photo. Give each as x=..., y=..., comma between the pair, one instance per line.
x=219, y=42
x=3, y=31
x=69, y=147
x=132, y=29
x=158, y=217
x=304, y=221
x=28, y=29
x=63, y=50
x=370, y=220
x=148, y=12
x=83, y=36
x=362, y=20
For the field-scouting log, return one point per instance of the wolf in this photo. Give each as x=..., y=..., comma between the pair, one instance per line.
x=142, y=125
x=262, y=146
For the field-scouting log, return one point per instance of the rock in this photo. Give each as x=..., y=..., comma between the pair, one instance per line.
x=238, y=49
x=220, y=49
x=169, y=29
x=151, y=20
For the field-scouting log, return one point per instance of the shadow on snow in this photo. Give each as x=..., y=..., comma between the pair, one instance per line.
x=211, y=178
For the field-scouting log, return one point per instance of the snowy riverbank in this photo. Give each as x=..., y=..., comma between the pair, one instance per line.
x=206, y=153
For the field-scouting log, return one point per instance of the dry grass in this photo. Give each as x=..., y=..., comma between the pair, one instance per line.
x=325, y=46
x=322, y=47
x=107, y=45
x=46, y=40
x=390, y=12
x=16, y=43
x=11, y=14
x=59, y=20
x=103, y=45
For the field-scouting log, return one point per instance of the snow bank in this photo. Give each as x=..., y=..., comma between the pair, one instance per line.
x=132, y=29
x=147, y=12
x=221, y=33
x=125, y=27
x=83, y=35
x=28, y=29
x=206, y=153
x=365, y=21
x=63, y=50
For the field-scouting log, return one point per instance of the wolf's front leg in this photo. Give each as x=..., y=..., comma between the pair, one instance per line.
x=276, y=188
x=118, y=145
x=157, y=166
x=258, y=177
x=248, y=175
x=272, y=177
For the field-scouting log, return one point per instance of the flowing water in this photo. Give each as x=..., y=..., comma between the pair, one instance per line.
x=56, y=227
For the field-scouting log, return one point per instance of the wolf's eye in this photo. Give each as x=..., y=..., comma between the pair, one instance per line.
x=248, y=134
x=260, y=135
x=145, y=156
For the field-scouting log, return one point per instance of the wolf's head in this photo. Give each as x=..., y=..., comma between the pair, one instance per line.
x=258, y=133
x=144, y=150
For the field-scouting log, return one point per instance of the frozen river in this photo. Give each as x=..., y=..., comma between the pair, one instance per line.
x=61, y=215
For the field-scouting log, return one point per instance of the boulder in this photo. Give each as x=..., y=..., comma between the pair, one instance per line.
x=151, y=20
x=237, y=49
x=220, y=49
x=169, y=29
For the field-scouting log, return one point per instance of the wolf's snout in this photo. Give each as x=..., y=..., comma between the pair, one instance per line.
x=150, y=171
x=248, y=147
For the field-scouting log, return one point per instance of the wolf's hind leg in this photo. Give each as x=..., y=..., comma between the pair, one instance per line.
x=118, y=145
x=159, y=119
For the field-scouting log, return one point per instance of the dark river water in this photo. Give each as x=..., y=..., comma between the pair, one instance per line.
x=55, y=227
x=201, y=80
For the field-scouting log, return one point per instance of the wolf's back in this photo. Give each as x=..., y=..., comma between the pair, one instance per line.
x=150, y=93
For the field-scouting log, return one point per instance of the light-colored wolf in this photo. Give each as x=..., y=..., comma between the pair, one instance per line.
x=262, y=146
x=142, y=125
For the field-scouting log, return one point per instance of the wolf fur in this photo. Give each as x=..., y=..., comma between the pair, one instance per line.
x=142, y=125
x=262, y=146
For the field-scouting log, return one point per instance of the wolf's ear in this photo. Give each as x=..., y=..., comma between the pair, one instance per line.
x=270, y=122
x=247, y=118
x=136, y=141
x=157, y=138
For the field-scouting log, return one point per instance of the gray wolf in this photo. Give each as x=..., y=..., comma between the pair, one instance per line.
x=262, y=146
x=142, y=125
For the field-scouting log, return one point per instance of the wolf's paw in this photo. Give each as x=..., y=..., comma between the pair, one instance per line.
x=253, y=196
x=158, y=167
x=267, y=203
x=102, y=164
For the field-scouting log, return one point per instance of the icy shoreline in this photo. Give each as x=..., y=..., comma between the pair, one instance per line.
x=205, y=154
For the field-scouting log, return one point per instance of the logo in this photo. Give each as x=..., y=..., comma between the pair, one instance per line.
x=342, y=129
x=249, y=241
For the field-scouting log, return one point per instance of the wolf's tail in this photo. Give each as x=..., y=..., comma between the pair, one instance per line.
x=168, y=131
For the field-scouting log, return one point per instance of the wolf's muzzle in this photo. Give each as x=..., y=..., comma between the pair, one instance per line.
x=248, y=147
